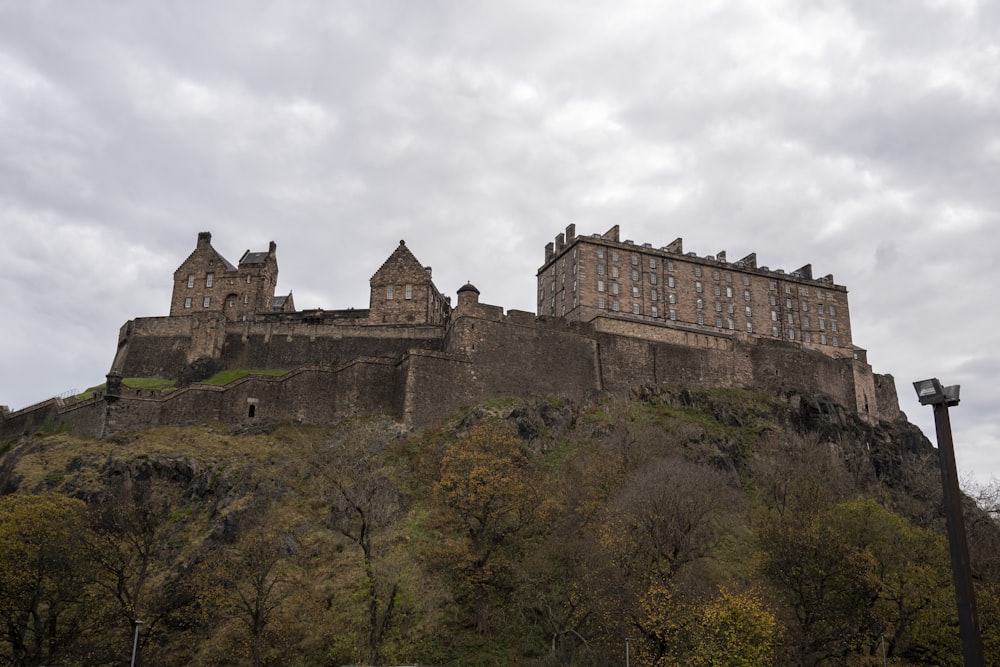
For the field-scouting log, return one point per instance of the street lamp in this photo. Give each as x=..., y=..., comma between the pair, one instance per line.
x=930, y=392
x=135, y=638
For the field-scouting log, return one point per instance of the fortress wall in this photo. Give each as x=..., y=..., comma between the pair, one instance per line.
x=435, y=385
x=512, y=359
x=275, y=347
x=778, y=365
x=886, y=397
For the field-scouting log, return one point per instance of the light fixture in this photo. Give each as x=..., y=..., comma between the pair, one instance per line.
x=930, y=392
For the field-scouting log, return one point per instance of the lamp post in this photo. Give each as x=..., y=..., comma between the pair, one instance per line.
x=930, y=392
x=135, y=638
x=628, y=642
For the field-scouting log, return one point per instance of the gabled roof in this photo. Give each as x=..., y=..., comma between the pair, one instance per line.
x=207, y=248
x=403, y=260
x=253, y=258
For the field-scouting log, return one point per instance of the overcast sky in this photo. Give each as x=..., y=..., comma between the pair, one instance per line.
x=860, y=136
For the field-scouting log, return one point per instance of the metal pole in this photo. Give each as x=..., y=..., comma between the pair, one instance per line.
x=627, y=641
x=135, y=639
x=968, y=619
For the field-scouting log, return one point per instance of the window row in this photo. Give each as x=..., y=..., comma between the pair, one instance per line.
x=390, y=291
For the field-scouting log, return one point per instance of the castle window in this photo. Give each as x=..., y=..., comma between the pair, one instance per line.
x=731, y=308
x=209, y=279
x=614, y=255
x=700, y=303
x=600, y=269
x=600, y=302
x=655, y=311
x=774, y=300
x=653, y=296
x=248, y=280
x=749, y=327
x=833, y=326
x=652, y=278
x=715, y=274
x=833, y=311
x=836, y=343
x=791, y=318
x=635, y=276
x=805, y=320
x=635, y=260
x=614, y=271
x=673, y=298
x=788, y=289
x=807, y=337
x=822, y=325
x=749, y=312
x=614, y=305
x=774, y=331
x=635, y=292
x=718, y=321
x=746, y=280
x=822, y=339
x=701, y=318
x=788, y=304
x=635, y=309
x=190, y=280
x=614, y=288
x=729, y=292
x=600, y=285
x=731, y=324
x=187, y=302
x=774, y=316
x=729, y=277
x=803, y=291
x=773, y=286
x=673, y=314
x=697, y=270
x=670, y=265
x=600, y=253
x=671, y=282
x=246, y=298
x=389, y=291
x=805, y=306
x=207, y=302
x=822, y=309
x=718, y=306
x=652, y=262
x=791, y=334
x=718, y=290
x=746, y=295
x=697, y=286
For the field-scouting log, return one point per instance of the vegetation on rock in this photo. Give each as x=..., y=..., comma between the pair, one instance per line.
x=709, y=527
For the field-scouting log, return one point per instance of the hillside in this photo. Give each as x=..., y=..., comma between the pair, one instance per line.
x=710, y=527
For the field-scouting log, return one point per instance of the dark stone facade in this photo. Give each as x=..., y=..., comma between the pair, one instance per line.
x=418, y=360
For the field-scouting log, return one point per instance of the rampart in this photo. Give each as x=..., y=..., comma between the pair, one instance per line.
x=427, y=373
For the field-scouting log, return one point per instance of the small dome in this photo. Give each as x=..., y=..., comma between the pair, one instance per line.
x=468, y=287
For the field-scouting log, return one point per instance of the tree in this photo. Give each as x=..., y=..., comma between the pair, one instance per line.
x=364, y=502
x=43, y=575
x=252, y=582
x=486, y=488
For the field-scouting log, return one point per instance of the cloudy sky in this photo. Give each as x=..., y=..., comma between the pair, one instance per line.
x=860, y=136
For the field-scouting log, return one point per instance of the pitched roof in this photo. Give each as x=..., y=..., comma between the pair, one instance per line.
x=402, y=257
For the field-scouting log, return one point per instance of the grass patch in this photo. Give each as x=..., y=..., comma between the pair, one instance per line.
x=225, y=377
x=151, y=384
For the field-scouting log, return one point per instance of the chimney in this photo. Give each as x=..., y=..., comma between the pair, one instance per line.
x=560, y=242
x=549, y=252
x=271, y=248
x=750, y=261
x=721, y=256
x=612, y=234
x=570, y=233
x=676, y=246
x=204, y=238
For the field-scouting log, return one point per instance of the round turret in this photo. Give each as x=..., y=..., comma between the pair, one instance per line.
x=468, y=295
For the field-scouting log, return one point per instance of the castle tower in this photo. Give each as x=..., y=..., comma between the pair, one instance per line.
x=402, y=292
x=197, y=281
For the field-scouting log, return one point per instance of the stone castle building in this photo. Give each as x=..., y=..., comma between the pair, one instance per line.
x=611, y=317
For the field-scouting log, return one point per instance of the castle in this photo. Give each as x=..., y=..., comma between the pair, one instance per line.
x=611, y=316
